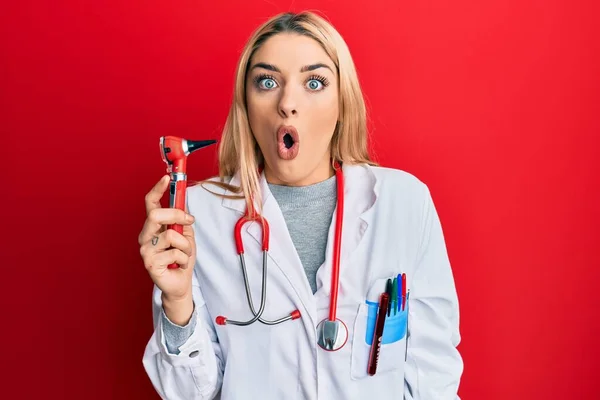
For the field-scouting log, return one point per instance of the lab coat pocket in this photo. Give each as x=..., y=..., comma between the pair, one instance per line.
x=393, y=341
x=394, y=328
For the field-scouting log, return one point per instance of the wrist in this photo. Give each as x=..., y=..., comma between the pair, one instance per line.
x=178, y=310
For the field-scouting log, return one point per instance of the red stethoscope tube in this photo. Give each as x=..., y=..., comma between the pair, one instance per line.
x=337, y=249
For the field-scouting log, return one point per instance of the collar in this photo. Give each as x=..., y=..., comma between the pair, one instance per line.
x=360, y=184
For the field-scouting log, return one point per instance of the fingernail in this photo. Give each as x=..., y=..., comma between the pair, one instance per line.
x=189, y=217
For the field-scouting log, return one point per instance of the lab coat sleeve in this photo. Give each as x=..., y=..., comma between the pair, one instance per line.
x=195, y=372
x=434, y=366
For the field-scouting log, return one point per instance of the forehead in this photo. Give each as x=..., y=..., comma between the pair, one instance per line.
x=290, y=51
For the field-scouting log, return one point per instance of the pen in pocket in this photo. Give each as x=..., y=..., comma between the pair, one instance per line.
x=403, y=291
x=388, y=290
x=394, y=298
x=384, y=300
x=399, y=293
x=406, y=340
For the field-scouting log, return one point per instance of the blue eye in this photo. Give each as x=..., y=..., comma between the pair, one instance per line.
x=314, y=84
x=267, y=83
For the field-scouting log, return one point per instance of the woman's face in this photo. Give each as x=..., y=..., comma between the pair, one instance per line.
x=292, y=99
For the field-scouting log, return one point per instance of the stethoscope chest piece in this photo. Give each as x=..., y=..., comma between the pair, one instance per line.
x=332, y=335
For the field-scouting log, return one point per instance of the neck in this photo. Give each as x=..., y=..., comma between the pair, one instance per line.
x=323, y=172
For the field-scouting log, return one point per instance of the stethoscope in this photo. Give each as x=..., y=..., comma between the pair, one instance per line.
x=332, y=333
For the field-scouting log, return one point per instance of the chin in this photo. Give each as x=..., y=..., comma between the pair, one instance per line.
x=287, y=172
x=296, y=172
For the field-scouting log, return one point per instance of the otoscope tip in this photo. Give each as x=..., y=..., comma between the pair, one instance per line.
x=198, y=144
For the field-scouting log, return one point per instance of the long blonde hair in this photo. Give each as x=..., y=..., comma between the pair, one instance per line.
x=238, y=149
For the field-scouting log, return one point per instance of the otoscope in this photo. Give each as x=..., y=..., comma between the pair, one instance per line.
x=174, y=151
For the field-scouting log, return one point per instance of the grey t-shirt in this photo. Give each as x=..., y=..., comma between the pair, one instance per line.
x=307, y=211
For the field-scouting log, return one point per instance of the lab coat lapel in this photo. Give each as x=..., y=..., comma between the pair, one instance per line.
x=360, y=194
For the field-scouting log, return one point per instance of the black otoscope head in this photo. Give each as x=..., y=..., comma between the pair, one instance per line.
x=194, y=145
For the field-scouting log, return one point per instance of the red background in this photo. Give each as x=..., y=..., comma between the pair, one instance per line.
x=494, y=104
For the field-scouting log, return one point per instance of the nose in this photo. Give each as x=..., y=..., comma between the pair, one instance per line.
x=288, y=105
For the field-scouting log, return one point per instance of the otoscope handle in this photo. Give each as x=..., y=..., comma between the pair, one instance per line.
x=177, y=192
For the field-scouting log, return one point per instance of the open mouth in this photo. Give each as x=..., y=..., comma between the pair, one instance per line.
x=287, y=142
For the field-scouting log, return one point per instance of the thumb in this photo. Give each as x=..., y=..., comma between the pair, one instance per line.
x=155, y=194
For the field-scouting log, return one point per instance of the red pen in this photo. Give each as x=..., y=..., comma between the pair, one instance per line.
x=403, y=291
x=384, y=300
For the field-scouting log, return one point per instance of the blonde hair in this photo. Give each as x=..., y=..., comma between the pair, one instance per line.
x=238, y=149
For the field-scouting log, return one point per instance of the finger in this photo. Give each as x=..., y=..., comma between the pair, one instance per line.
x=188, y=232
x=167, y=239
x=166, y=216
x=159, y=217
x=162, y=259
x=149, y=230
x=153, y=197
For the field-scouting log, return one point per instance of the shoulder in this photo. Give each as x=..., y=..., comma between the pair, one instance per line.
x=397, y=177
x=207, y=195
x=397, y=183
x=199, y=187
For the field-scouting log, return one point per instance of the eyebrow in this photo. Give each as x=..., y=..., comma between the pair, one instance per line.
x=306, y=68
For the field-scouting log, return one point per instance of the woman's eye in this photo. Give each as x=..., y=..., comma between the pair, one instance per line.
x=267, y=83
x=314, y=84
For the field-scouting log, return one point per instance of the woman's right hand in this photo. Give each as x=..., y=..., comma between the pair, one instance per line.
x=160, y=247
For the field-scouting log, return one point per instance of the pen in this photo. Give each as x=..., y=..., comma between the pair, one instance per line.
x=388, y=290
x=406, y=341
x=399, y=293
x=394, y=298
x=403, y=291
x=384, y=300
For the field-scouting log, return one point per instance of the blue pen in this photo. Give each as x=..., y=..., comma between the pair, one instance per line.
x=394, y=298
x=399, y=294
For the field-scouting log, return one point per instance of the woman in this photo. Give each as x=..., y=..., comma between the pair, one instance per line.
x=295, y=135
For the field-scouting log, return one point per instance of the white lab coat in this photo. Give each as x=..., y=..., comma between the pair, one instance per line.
x=390, y=226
